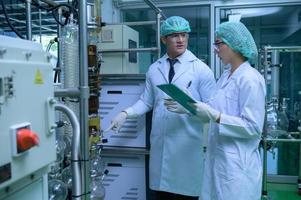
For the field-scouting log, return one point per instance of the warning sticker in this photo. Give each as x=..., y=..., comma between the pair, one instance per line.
x=38, y=77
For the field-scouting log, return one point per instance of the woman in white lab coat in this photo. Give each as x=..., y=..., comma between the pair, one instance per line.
x=233, y=169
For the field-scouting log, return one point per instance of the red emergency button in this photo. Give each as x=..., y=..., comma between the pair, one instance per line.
x=26, y=139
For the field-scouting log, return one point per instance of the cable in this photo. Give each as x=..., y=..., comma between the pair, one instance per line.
x=8, y=21
x=66, y=14
x=53, y=10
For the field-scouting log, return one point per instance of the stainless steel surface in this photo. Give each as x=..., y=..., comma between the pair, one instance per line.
x=282, y=179
x=122, y=77
x=49, y=2
x=69, y=92
x=129, y=50
x=40, y=24
x=33, y=25
x=155, y=8
x=275, y=83
x=84, y=98
x=284, y=48
x=75, y=152
x=158, y=34
x=265, y=157
x=275, y=67
x=140, y=23
x=283, y=140
x=124, y=151
x=59, y=46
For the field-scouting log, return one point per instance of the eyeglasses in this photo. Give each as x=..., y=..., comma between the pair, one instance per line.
x=218, y=44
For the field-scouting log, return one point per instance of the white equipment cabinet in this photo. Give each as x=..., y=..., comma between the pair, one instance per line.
x=126, y=152
x=126, y=178
x=26, y=86
x=117, y=93
x=118, y=37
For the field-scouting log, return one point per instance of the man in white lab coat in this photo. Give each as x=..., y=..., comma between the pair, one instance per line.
x=176, y=159
x=233, y=169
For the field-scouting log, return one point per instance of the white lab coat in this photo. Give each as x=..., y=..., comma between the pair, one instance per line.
x=233, y=168
x=176, y=158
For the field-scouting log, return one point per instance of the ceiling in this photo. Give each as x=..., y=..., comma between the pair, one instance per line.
x=43, y=20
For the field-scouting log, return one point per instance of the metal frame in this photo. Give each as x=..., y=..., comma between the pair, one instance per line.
x=265, y=139
x=215, y=7
x=123, y=5
x=159, y=15
x=75, y=153
x=223, y=5
x=83, y=92
x=28, y=21
x=175, y=3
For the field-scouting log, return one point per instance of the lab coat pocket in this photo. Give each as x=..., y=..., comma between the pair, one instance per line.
x=228, y=175
x=227, y=166
x=157, y=125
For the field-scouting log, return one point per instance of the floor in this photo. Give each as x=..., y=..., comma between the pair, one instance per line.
x=282, y=192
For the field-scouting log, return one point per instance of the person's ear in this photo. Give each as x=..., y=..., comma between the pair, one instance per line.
x=163, y=39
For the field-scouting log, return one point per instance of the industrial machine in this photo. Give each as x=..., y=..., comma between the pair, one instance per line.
x=115, y=39
x=281, y=138
x=125, y=153
x=27, y=126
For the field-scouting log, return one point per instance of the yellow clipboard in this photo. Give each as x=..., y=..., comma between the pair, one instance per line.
x=178, y=95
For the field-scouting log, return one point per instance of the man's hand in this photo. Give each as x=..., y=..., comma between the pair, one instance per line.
x=117, y=122
x=173, y=106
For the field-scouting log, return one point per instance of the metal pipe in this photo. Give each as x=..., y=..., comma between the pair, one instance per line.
x=60, y=43
x=75, y=153
x=140, y=23
x=158, y=38
x=155, y=8
x=275, y=67
x=40, y=22
x=283, y=48
x=299, y=174
x=264, y=173
x=123, y=151
x=53, y=3
x=128, y=50
x=49, y=2
x=67, y=92
x=283, y=140
x=34, y=25
x=265, y=63
x=28, y=19
x=84, y=97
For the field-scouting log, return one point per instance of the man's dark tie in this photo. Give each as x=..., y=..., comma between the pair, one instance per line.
x=171, y=69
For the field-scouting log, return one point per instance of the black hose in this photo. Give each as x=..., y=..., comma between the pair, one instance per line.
x=54, y=9
x=67, y=14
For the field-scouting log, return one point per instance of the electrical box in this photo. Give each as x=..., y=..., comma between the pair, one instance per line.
x=118, y=93
x=126, y=177
x=118, y=37
x=26, y=85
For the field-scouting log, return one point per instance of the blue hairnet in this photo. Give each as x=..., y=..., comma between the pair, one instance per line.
x=174, y=24
x=238, y=38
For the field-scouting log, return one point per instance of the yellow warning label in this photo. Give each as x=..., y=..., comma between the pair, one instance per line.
x=38, y=77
